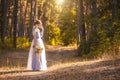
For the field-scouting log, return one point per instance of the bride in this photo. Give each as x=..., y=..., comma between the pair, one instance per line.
x=37, y=61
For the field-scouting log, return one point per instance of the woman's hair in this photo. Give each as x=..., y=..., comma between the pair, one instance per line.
x=41, y=27
x=37, y=22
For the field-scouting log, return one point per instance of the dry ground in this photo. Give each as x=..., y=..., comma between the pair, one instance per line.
x=62, y=65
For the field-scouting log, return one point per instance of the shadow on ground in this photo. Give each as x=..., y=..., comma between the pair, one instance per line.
x=69, y=67
x=103, y=70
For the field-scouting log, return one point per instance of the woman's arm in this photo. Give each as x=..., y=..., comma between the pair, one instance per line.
x=34, y=38
x=41, y=31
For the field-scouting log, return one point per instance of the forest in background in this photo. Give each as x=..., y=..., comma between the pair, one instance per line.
x=92, y=25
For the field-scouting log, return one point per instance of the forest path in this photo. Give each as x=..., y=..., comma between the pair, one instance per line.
x=62, y=65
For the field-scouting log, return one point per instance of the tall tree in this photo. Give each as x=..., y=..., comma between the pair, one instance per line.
x=80, y=21
x=0, y=18
x=25, y=16
x=95, y=14
x=81, y=25
x=114, y=19
x=114, y=10
x=10, y=19
x=4, y=9
x=32, y=17
x=20, y=20
x=15, y=22
x=44, y=18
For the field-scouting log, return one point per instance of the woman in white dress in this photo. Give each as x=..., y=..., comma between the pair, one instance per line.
x=37, y=61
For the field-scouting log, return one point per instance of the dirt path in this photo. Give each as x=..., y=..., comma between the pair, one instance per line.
x=62, y=65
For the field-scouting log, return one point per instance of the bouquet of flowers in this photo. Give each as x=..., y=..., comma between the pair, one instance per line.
x=38, y=49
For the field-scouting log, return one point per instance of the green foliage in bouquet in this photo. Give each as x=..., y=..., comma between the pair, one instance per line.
x=38, y=50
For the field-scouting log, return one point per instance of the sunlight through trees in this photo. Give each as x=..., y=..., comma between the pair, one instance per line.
x=59, y=2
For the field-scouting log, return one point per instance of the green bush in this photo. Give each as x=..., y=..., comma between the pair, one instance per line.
x=22, y=43
x=53, y=35
x=8, y=43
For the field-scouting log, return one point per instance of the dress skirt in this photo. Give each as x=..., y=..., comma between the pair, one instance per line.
x=37, y=61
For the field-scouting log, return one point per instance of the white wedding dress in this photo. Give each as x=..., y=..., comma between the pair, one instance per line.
x=37, y=61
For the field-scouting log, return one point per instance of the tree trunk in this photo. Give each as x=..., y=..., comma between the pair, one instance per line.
x=31, y=22
x=40, y=10
x=78, y=19
x=114, y=10
x=15, y=22
x=114, y=18
x=44, y=20
x=21, y=27
x=32, y=17
x=4, y=10
x=35, y=10
x=24, y=20
x=82, y=23
x=0, y=19
x=94, y=13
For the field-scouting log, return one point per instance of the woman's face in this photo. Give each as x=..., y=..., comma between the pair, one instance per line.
x=37, y=25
